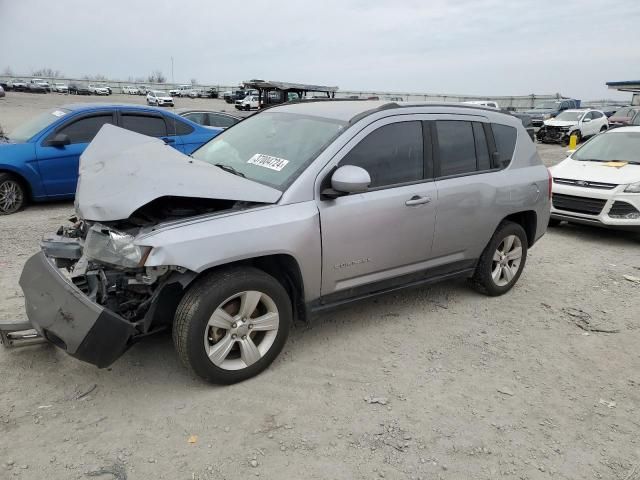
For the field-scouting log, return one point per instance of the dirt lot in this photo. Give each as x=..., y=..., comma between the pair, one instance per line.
x=467, y=386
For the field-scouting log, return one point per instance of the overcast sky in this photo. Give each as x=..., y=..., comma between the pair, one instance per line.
x=480, y=47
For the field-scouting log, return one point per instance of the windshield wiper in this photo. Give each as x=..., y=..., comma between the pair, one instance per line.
x=230, y=169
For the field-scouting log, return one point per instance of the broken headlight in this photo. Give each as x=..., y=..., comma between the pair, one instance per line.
x=116, y=248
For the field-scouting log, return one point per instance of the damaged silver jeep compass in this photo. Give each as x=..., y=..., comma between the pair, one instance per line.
x=294, y=210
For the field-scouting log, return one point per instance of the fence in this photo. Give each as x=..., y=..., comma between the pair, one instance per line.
x=517, y=102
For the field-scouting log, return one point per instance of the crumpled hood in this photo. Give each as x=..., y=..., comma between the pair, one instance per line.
x=596, y=172
x=121, y=171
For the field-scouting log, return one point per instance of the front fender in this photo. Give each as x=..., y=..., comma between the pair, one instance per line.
x=20, y=159
x=204, y=243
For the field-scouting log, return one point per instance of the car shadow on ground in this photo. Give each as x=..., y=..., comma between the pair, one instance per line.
x=155, y=360
x=597, y=234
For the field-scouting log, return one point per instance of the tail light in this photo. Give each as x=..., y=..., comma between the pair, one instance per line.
x=550, y=182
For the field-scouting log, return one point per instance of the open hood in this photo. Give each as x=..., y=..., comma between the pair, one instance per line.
x=121, y=171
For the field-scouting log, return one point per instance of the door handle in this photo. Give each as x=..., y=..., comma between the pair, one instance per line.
x=417, y=200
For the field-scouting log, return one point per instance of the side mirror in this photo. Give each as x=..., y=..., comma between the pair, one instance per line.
x=348, y=179
x=60, y=140
x=586, y=120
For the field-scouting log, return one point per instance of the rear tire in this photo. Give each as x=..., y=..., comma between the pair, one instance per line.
x=217, y=338
x=502, y=261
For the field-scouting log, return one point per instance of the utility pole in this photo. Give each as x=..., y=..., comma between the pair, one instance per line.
x=172, y=79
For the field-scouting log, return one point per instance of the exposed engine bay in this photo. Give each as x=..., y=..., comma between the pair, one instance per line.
x=101, y=260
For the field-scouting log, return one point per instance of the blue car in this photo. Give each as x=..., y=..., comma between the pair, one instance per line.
x=39, y=159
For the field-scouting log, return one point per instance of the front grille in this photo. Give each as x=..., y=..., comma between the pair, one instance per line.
x=585, y=184
x=537, y=123
x=571, y=203
x=622, y=209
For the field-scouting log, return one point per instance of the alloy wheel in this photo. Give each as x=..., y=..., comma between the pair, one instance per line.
x=241, y=330
x=11, y=197
x=506, y=260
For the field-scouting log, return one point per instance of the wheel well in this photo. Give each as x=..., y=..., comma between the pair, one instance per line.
x=528, y=220
x=22, y=180
x=284, y=268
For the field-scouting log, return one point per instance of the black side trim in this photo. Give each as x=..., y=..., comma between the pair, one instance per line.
x=462, y=268
x=106, y=341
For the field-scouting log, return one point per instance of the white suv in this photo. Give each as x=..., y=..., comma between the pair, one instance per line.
x=582, y=123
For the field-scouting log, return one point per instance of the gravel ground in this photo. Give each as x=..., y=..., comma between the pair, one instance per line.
x=431, y=383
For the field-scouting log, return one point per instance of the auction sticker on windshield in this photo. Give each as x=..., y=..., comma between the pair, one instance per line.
x=267, y=161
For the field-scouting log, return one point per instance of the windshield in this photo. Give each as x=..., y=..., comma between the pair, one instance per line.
x=569, y=116
x=615, y=146
x=28, y=129
x=271, y=147
x=547, y=105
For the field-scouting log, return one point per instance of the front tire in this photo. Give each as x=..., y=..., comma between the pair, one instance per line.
x=12, y=194
x=232, y=324
x=502, y=261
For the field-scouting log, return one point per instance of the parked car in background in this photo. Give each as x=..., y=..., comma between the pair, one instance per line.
x=547, y=110
x=250, y=102
x=2, y=94
x=226, y=96
x=42, y=83
x=196, y=93
x=599, y=183
x=526, y=123
x=4, y=85
x=210, y=93
x=59, y=87
x=484, y=103
x=582, y=123
x=239, y=95
x=97, y=90
x=130, y=90
x=623, y=117
x=33, y=87
x=608, y=110
x=40, y=160
x=159, y=98
x=180, y=90
x=142, y=89
x=210, y=118
x=296, y=209
x=79, y=89
x=17, y=85
x=109, y=89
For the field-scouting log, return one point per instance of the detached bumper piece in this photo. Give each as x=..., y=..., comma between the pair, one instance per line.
x=18, y=334
x=66, y=317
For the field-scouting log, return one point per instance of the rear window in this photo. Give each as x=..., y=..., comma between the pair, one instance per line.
x=505, y=138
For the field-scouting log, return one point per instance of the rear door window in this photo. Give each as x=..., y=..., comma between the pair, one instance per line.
x=150, y=125
x=456, y=147
x=392, y=154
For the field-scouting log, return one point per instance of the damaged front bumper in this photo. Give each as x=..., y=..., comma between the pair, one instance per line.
x=552, y=134
x=66, y=317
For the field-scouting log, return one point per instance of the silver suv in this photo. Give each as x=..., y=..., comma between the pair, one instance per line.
x=294, y=210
